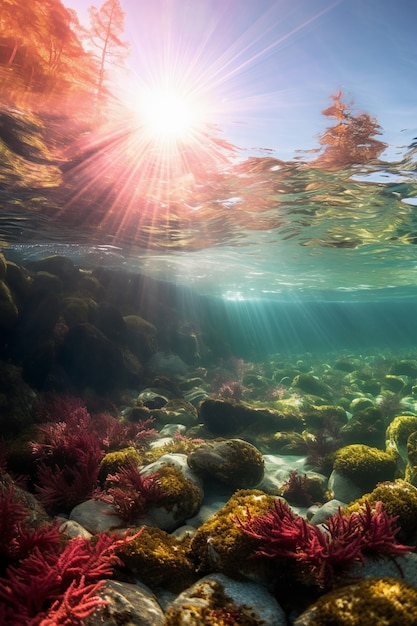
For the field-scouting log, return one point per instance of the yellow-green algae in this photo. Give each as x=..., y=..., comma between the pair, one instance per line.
x=370, y=602
x=178, y=493
x=176, y=446
x=158, y=559
x=411, y=467
x=220, y=545
x=399, y=499
x=364, y=465
x=399, y=430
x=113, y=461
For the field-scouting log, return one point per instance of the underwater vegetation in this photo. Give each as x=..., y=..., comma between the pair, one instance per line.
x=327, y=552
x=50, y=580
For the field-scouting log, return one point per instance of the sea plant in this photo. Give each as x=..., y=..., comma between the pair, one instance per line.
x=50, y=580
x=324, y=553
x=130, y=492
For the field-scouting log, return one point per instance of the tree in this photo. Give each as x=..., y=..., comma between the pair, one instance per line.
x=351, y=141
x=106, y=26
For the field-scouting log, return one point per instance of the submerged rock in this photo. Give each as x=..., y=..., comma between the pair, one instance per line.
x=216, y=600
x=387, y=601
x=364, y=465
x=233, y=462
x=131, y=605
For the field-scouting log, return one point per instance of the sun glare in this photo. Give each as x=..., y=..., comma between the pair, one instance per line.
x=169, y=114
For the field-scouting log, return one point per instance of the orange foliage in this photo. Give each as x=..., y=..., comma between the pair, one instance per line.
x=351, y=140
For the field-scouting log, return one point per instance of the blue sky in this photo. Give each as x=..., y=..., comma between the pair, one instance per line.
x=268, y=66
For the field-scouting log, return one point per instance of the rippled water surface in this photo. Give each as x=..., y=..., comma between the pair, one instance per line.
x=257, y=227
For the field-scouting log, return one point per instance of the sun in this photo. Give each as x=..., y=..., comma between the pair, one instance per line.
x=170, y=114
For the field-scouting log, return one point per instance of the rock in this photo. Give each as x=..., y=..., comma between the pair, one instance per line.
x=216, y=600
x=154, y=398
x=96, y=516
x=91, y=359
x=166, y=364
x=16, y=401
x=8, y=309
x=223, y=418
x=366, y=426
x=343, y=488
x=399, y=499
x=233, y=462
x=388, y=601
x=359, y=404
x=177, y=410
x=181, y=490
x=312, y=385
x=159, y=560
x=220, y=545
x=57, y=265
x=127, y=605
x=322, y=513
x=397, y=434
x=364, y=465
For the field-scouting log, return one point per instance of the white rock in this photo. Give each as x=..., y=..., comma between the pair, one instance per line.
x=96, y=516
x=251, y=598
x=343, y=488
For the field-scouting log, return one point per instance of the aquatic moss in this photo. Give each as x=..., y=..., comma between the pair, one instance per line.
x=178, y=493
x=158, y=559
x=312, y=385
x=220, y=545
x=387, y=601
x=176, y=446
x=397, y=435
x=399, y=499
x=365, y=466
x=317, y=416
x=113, y=461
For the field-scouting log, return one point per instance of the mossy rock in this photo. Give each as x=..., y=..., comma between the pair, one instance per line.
x=180, y=495
x=113, y=461
x=404, y=367
x=220, y=544
x=360, y=404
x=393, y=383
x=369, y=602
x=316, y=417
x=158, y=560
x=233, y=462
x=364, y=465
x=397, y=434
x=366, y=427
x=75, y=310
x=312, y=385
x=399, y=499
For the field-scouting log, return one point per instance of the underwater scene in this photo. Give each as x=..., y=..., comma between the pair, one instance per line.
x=208, y=350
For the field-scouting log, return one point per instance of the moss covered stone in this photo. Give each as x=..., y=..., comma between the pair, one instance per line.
x=398, y=432
x=387, y=601
x=113, y=461
x=312, y=385
x=399, y=499
x=180, y=495
x=366, y=427
x=158, y=559
x=233, y=462
x=365, y=466
x=220, y=545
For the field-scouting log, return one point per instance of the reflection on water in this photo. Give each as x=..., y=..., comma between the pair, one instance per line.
x=339, y=220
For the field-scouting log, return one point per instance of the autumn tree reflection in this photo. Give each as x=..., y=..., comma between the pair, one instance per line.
x=351, y=141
